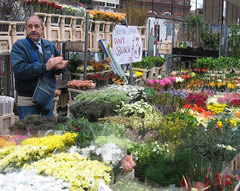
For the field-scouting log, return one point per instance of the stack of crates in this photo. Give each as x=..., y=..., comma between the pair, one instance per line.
x=90, y=43
x=18, y=31
x=77, y=29
x=43, y=16
x=5, y=37
x=98, y=28
x=7, y=117
x=53, y=27
x=142, y=31
x=66, y=28
x=109, y=27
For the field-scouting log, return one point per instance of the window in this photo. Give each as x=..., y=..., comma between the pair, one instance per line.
x=169, y=14
x=102, y=4
x=156, y=32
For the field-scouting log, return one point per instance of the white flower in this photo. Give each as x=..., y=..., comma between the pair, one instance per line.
x=111, y=153
x=29, y=181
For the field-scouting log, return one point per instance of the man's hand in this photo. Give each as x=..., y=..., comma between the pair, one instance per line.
x=61, y=65
x=56, y=63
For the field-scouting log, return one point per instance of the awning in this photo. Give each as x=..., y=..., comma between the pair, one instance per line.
x=236, y=2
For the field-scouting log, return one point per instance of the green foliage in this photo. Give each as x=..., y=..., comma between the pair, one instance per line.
x=126, y=121
x=73, y=63
x=127, y=185
x=150, y=92
x=193, y=27
x=150, y=121
x=91, y=110
x=86, y=131
x=111, y=96
x=120, y=142
x=215, y=146
x=234, y=41
x=139, y=108
x=144, y=154
x=149, y=62
x=210, y=40
x=167, y=103
x=116, y=129
x=176, y=128
x=169, y=170
x=218, y=63
x=38, y=122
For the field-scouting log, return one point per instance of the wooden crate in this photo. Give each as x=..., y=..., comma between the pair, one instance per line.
x=5, y=122
x=77, y=29
x=164, y=47
x=143, y=33
x=98, y=33
x=90, y=37
x=109, y=27
x=66, y=28
x=53, y=27
x=43, y=16
x=234, y=165
x=17, y=31
x=5, y=37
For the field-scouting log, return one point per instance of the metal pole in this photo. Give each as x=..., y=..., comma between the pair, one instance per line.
x=31, y=10
x=173, y=33
x=152, y=5
x=65, y=75
x=196, y=8
x=86, y=46
x=148, y=39
x=184, y=6
x=221, y=39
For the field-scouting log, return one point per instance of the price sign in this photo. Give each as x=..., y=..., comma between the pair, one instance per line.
x=127, y=44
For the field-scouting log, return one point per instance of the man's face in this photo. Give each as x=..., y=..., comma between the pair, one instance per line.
x=34, y=28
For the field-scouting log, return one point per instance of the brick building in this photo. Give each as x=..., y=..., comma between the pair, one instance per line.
x=161, y=8
x=212, y=10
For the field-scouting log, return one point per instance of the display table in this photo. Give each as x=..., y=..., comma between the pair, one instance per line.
x=80, y=75
x=71, y=101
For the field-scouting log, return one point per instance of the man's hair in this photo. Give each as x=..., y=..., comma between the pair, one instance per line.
x=41, y=21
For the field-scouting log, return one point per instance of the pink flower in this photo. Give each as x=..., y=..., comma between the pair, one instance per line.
x=157, y=81
x=151, y=82
x=172, y=78
x=162, y=83
x=167, y=81
x=222, y=100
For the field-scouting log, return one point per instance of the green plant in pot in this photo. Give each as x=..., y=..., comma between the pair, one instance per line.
x=74, y=62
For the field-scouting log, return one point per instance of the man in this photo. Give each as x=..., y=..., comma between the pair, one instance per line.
x=28, y=70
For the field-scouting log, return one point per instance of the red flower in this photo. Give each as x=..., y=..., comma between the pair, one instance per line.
x=235, y=102
x=28, y=2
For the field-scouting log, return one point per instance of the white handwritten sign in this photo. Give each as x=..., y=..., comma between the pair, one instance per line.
x=127, y=44
x=103, y=187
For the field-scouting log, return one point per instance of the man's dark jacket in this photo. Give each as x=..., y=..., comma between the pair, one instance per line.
x=26, y=70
